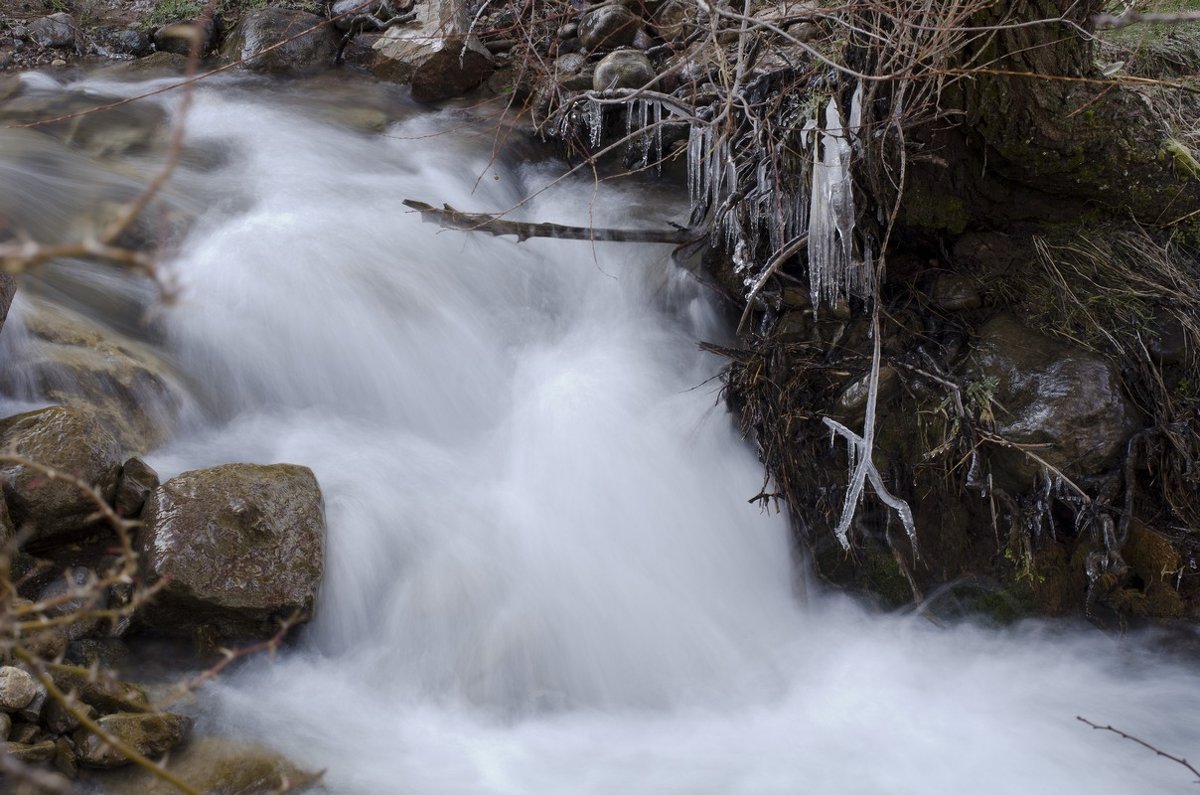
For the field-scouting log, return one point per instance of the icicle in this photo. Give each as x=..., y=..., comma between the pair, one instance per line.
x=834, y=271
x=658, y=128
x=644, y=119
x=595, y=122
x=740, y=263
x=695, y=164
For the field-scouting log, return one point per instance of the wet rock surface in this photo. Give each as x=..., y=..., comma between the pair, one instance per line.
x=305, y=45
x=241, y=545
x=608, y=26
x=151, y=734
x=623, y=69
x=76, y=362
x=1065, y=402
x=138, y=480
x=211, y=764
x=126, y=129
x=66, y=439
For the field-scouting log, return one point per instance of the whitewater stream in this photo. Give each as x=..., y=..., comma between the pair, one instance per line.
x=543, y=573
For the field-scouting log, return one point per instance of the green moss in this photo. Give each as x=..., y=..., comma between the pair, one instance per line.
x=1004, y=605
x=885, y=580
x=169, y=11
x=1184, y=160
x=872, y=570
x=942, y=212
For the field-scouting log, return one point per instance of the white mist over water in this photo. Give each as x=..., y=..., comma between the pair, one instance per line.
x=543, y=575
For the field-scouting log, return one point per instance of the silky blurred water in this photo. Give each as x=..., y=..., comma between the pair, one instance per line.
x=543, y=572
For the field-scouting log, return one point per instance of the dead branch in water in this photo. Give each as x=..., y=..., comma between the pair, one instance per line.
x=495, y=225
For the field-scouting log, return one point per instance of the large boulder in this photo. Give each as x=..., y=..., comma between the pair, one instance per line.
x=434, y=53
x=311, y=52
x=66, y=439
x=240, y=546
x=1061, y=402
x=151, y=734
x=76, y=362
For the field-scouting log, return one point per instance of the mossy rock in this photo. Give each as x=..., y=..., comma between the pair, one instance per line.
x=211, y=765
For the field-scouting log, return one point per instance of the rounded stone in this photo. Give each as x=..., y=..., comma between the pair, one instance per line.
x=622, y=69
x=17, y=689
x=608, y=26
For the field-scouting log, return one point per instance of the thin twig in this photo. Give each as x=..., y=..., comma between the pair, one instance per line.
x=1177, y=759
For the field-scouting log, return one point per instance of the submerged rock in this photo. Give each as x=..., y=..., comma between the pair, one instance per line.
x=1063, y=401
x=211, y=764
x=151, y=734
x=31, y=753
x=73, y=361
x=258, y=30
x=241, y=544
x=69, y=440
x=126, y=129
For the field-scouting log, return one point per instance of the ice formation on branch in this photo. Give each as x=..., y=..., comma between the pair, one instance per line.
x=862, y=467
x=833, y=270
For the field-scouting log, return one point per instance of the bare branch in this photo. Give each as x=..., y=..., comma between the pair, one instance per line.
x=1177, y=759
x=495, y=225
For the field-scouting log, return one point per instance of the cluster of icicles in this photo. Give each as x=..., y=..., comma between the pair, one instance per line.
x=779, y=207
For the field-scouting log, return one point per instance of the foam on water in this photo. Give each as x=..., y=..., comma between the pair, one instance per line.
x=543, y=572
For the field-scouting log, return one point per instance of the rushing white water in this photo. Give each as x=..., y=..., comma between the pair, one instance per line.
x=543, y=573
